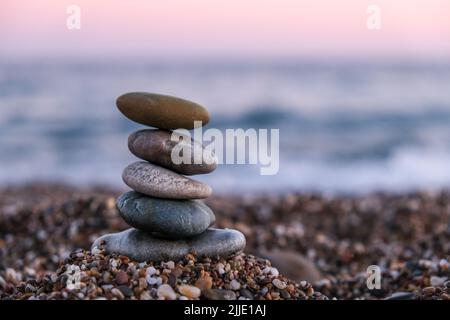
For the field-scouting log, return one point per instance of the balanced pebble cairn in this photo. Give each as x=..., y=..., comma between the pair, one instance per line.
x=168, y=219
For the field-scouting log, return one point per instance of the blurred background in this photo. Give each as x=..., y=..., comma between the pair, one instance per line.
x=358, y=109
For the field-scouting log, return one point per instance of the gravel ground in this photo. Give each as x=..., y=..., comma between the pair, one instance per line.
x=45, y=231
x=104, y=276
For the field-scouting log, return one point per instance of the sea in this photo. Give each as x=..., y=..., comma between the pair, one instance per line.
x=347, y=127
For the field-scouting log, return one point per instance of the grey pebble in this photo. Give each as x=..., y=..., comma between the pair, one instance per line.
x=176, y=219
x=159, y=182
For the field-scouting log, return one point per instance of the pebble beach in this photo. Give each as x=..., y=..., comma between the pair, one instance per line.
x=239, y=159
x=46, y=230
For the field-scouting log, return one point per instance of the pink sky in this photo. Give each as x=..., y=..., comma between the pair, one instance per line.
x=215, y=28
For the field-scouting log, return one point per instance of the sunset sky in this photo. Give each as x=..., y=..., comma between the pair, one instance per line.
x=231, y=28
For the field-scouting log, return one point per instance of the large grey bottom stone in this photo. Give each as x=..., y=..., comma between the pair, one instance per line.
x=141, y=246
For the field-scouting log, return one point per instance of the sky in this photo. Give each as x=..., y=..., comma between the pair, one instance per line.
x=230, y=29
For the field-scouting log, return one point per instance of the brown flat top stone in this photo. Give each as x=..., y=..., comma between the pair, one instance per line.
x=161, y=111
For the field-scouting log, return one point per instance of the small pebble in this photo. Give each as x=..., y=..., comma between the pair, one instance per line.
x=437, y=281
x=246, y=294
x=151, y=271
x=122, y=277
x=189, y=291
x=117, y=293
x=152, y=281
x=145, y=295
x=274, y=272
x=204, y=282
x=235, y=285
x=279, y=284
x=220, y=268
x=142, y=283
x=127, y=292
x=428, y=290
x=165, y=291
x=219, y=294
x=284, y=294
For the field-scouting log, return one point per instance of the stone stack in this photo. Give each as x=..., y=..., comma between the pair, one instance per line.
x=168, y=219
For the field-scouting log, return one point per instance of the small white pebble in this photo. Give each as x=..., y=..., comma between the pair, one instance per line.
x=274, y=272
x=150, y=271
x=444, y=264
x=183, y=298
x=279, y=284
x=235, y=285
x=437, y=281
x=30, y=271
x=266, y=270
x=107, y=287
x=95, y=251
x=165, y=291
x=170, y=265
x=220, y=268
x=114, y=263
x=151, y=281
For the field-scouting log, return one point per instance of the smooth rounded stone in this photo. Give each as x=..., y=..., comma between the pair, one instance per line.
x=292, y=264
x=176, y=219
x=219, y=294
x=141, y=246
x=156, y=146
x=159, y=182
x=161, y=111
